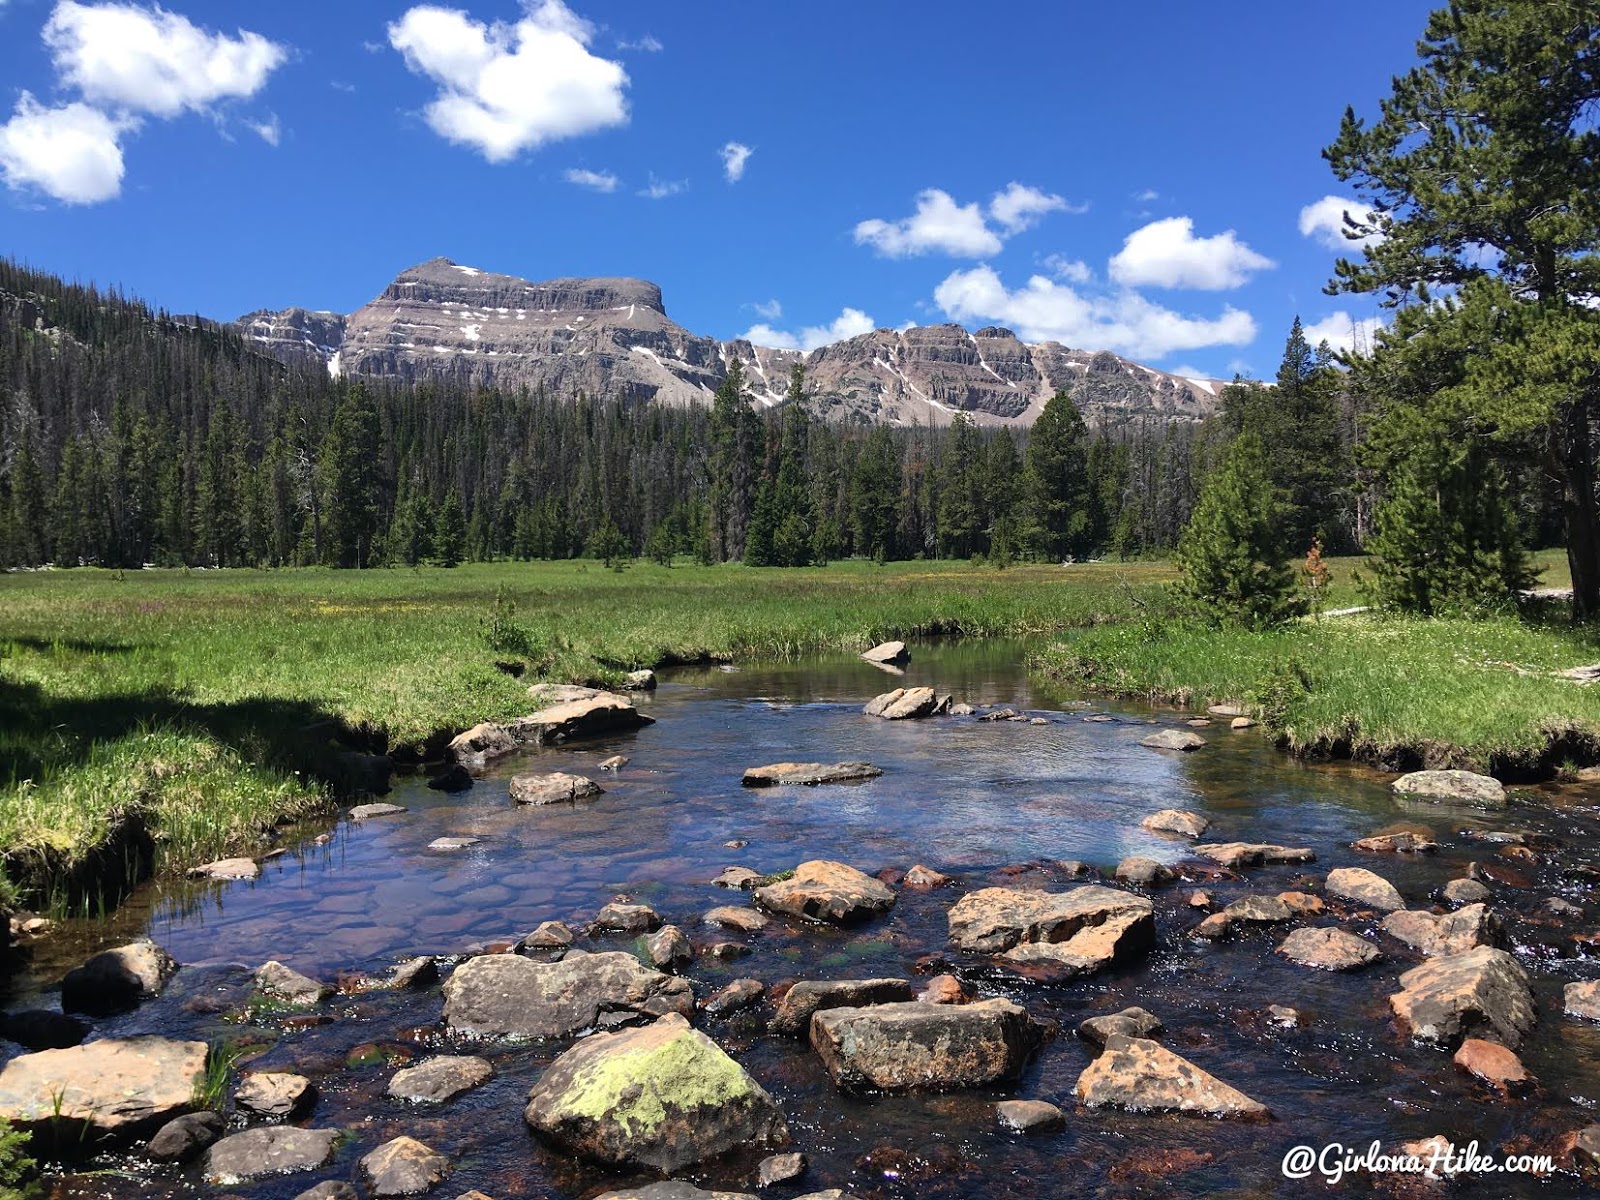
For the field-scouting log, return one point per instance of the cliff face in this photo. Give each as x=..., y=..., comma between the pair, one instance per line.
x=613, y=337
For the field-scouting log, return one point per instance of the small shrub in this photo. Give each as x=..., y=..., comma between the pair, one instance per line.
x=506, y=636
x=19, y=1174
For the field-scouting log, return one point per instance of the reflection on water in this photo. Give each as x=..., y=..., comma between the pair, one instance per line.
x=964, y=796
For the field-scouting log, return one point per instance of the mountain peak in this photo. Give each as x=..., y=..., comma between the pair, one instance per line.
x=612, y=336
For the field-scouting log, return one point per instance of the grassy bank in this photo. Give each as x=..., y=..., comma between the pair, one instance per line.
x=1394, y=692
x=187, y=701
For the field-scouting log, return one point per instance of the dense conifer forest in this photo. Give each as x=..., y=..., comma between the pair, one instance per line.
x=131, y=437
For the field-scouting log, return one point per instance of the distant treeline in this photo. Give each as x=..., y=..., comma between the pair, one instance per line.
x=129, y=437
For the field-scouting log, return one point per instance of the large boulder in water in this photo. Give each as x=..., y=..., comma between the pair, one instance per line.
x=1434, y=934
x=664, y=1097
x=1364, y=887
x=1144, y=1076
x=509, y=996
x=1235, y=855
x=820, y=890
x=809, y=774
x=895, y=1047
x=594, y=715
x=903, y=704
x=1462, y=787
x=482, y=745
x=114, y=1088
x=554, y=787
x=1329, y=950
x=888, y=652
x=1053, y=935
x=115, y=980
x=269, y=1150
x=1456, y=994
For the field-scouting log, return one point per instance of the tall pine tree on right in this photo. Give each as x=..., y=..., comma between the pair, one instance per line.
x=1480, y=222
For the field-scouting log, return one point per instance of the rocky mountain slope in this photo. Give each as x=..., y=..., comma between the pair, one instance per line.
x=613, y=336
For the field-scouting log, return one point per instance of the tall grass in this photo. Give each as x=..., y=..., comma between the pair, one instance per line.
x=1474, y=694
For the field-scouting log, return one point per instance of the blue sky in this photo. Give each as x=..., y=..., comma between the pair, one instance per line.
x=1127, y=176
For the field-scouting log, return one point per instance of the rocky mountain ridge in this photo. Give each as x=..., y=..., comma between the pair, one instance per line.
x=612, y=336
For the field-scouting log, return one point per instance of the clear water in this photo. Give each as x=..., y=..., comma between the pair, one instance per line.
x=974, y=799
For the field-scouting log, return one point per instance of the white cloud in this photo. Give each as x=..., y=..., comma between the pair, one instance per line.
x=1045, y=310
x=1166, y=254
x=1073, y=270
x=123, y=56
x=1187, y=372
x=852, y=322
x=71, y=153
x=599, y=181
x=1019, y=207
x=938, y=224
x=1147, y=195
x=1324, y=221
x=1343, y=332
x=734, y=157
x=769, y=310
x=505, y=88
x=269, y=131
x=660, y=189
x=649, y=43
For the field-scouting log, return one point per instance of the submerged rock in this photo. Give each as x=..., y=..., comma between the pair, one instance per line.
x=780, y=1168
x=731, y=916
x=1174, y=739
x=555, y=787
x=1054, y=935
x=1329, y=950
x=895, y=1047
x=228, y=868
x=115, y=980
x=735, y=997
x=809, y=774
x=269, y=1150
x=1582, y=1000
x=827, y=891
x=1364, y=887
x=440, y=1080
x=367, y=812
x=507, y=995
x=1029, y=1116
x=665, y=1097
x=1495, y=1066
x=114, y=1088
x=1459, y=786
x=923, y=878
x=1144, y=1076
x=813, y=995
x=903, y=704
x=454, y=778
x=1453, y=994
x=1466, y=891
x=284, y=983
x=40, y=1029
x=1178, y=821
x=1264, y=910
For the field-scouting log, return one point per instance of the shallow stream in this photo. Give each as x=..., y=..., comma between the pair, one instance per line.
x=969, y=798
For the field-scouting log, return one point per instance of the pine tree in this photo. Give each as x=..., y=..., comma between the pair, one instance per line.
x=875, y=488
x=1056, y=482
x=352, y=481
x=1481, y=176
x=450, y=533
x=1445, y=539
x=961, y=515
x=1235, y=568
x=609, y=545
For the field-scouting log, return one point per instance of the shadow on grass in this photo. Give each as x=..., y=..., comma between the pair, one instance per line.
x=45, y=735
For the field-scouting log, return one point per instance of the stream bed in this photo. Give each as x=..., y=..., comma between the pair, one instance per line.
x=991, y=803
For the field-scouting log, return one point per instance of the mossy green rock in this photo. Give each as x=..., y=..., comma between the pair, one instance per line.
x=664, y=1096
